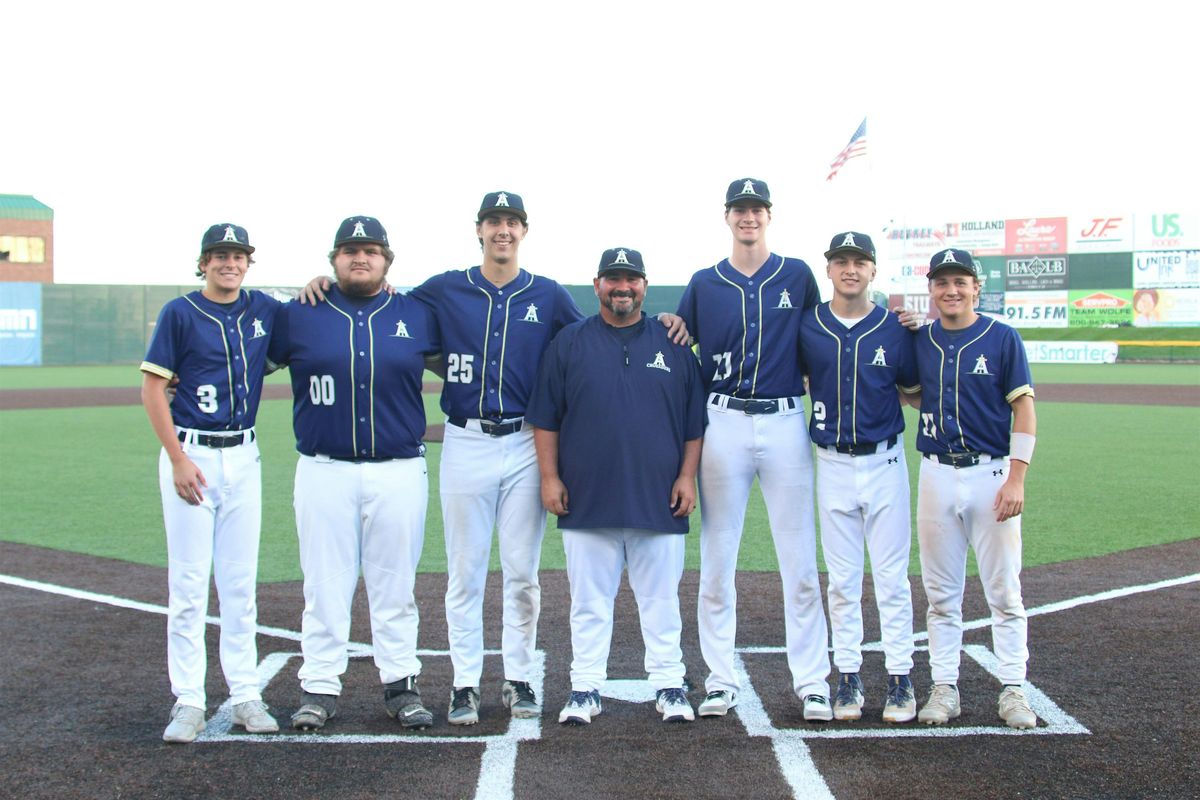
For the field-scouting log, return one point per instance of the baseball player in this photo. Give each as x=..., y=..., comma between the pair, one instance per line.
x=856, y=355
x=622, y=497
x=976, y=435
x=356, y=363
x=745, y=314
x=495, y=321
x=214, y=342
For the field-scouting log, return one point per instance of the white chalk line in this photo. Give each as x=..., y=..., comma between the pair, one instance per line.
x=498, y=763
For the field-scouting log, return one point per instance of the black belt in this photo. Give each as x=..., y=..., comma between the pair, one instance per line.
x=861, y=449
x=219, y=439
x=755, y=406
x=490, y=428
x=955, y=460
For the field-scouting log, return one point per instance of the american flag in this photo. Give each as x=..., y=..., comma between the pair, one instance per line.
x=857, y=146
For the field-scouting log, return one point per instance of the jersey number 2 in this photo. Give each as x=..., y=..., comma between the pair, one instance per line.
x=459, y=368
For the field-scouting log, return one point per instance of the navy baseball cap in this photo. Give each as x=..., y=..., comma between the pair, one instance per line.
x=364, y=230
x=952, y=258
x=851, y=241
x=621, y=258
x=747, y=189
x=226, y=234
x=507, y=202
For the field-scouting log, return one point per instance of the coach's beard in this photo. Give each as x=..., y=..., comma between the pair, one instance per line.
x=634, y=307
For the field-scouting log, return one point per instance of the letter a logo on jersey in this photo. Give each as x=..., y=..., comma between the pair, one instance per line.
x=401, y=330
x=880, y=359
x=230, y=235
x=258, y=329
x=659, y=363
x=785, y=300
x=981, y=366
x=531, y=314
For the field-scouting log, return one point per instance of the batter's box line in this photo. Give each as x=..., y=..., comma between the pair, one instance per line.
x=220, y=726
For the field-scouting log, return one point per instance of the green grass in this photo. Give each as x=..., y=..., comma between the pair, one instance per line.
x=1105, y=478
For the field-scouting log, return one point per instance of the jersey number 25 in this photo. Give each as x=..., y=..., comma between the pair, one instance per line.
x=459, y=368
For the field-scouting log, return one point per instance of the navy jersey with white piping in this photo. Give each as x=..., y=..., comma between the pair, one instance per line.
x=749, y=328
x=356, y=367
x=853, y=374
x=624, y=401
x=219, y=352
x=969, y=378
x=493, y=338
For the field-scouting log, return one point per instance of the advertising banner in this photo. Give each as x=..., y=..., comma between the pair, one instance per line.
x=1035, y=235
x=1101, y=271
x=1165, y=307
x=981, y=237
x=20, y=324
x=1166, y=231
x=914, y=245
x=991, y=303
x=1036, y=309
x=1036, y=272
x=1100, y=233
x=1071, y=352
x=1101, y=308
x=1166, y=269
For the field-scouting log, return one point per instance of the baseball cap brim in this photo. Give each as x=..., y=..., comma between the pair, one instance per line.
x=228, y=246
x=514, y=212
x=848, y=249
x=963, y=268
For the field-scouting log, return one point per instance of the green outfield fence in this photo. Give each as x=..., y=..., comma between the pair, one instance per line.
x=97, y=324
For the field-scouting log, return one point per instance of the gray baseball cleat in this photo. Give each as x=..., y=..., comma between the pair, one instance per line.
x=520, y=699
x=464, y=706
x=942, y=706
x=1014, y=708
x=315, y=710
x=184, y=724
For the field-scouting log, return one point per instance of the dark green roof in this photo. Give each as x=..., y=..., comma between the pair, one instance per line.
x=23, y=206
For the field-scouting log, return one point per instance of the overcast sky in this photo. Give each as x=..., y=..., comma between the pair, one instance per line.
x=621, y=124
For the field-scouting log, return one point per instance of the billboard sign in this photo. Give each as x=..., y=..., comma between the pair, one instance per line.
x=1036, y=272
x=1035, y=235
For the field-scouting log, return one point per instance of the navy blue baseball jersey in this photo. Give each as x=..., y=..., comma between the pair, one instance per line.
x=624, y=401
x=356, y=366
x=219, y=352
x=749, y=328
x=853, y=374
x=493, y=338
x=969, y=378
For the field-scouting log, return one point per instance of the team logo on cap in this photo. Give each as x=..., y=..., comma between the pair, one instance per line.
x=849, y=241
x=401, y=330
x=659, y=363
x=502, y=200
x=230, y=235
x=981, y=366
x=621, y=258
x=949, y=259
x=531, y=314
x=748, y=188
x=359, y=230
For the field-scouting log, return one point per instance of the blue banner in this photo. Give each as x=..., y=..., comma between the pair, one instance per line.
x=20, y=324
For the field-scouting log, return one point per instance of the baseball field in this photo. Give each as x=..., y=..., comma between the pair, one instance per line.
x=1112, y=576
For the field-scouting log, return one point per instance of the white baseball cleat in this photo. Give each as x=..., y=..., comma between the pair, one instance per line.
x=848, y=701
x=185, y=724
x=816, y=708
x=942, y=705
x=673, y=705
x=1014, y=708
x=580, y=708
x=718, y=703
x=254, y=717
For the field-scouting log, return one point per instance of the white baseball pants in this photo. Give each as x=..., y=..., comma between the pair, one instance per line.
x=595, y=560
x=954, y=510
x=491, y=482
x=865, y=500
x=776, y=448
x=219, y=536
x=348, y=515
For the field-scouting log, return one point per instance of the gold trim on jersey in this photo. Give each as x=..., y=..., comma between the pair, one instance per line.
x=742, y=306
x=1024, y=389
x=962, y=433
x=155, y=369
x=854, y=391
x=224, y=343
x=354, y=381
x=487, y=326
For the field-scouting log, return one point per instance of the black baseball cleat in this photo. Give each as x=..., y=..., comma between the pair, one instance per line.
x=315, y=710
x=403, y=703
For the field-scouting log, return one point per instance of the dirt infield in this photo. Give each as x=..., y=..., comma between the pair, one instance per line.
x=85, y=696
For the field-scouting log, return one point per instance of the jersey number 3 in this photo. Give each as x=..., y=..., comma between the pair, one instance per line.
x=459, y=368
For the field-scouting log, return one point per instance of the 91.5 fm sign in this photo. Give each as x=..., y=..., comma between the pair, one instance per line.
x=1036, y=309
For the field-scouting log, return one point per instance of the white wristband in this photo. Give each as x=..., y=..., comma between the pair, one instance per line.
x=1020, y=446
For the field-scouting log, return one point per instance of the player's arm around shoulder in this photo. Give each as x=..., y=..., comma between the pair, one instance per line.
x=1010, y=500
